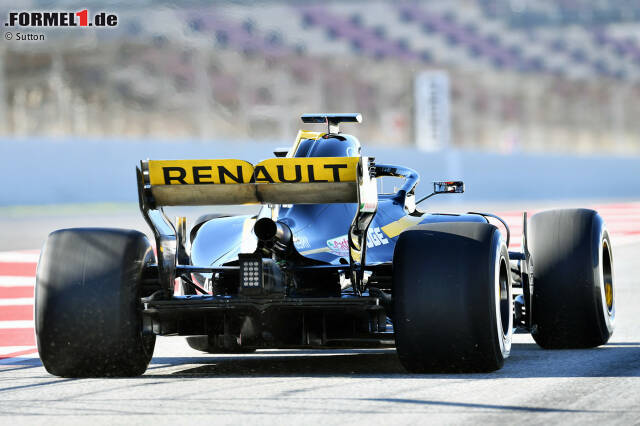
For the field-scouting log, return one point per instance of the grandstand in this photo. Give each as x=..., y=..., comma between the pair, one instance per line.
x=560, y=75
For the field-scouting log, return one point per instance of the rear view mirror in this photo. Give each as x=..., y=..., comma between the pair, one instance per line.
x=449, y=187
x=446, y=187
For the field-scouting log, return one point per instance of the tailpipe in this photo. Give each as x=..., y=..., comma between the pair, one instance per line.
x=272, y=235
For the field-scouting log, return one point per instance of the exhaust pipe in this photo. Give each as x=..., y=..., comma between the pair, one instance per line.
x=272, y=235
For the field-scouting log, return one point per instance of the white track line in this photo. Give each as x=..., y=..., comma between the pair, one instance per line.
x=19, y=257
x=16, y=324
x=18, y=301
x=9, y=349
x=11, y=281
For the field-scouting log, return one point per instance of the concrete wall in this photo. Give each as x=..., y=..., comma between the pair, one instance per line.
x=35, y=171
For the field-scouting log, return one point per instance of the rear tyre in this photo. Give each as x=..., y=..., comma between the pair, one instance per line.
x=87, y=303
x=573, y=301
x=452, y=298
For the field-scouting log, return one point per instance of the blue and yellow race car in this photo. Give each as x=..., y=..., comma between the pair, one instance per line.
x=328, y=262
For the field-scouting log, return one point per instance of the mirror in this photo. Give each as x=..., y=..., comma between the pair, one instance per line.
x=448, y=187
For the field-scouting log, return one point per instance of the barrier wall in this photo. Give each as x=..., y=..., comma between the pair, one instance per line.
x=37, y=171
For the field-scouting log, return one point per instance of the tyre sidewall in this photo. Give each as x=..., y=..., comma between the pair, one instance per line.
x=605, y=318
x=569, y=303
x=500, y=258
x=446, y=312
x=87, y=303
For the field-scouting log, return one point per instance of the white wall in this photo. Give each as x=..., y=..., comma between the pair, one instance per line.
x=34, y=171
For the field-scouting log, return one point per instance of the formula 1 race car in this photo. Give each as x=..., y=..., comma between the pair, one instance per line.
x=328, y=262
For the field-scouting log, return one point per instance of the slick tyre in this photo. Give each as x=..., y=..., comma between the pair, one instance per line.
x=87, y=303
x=452, y=298
x=573, y=304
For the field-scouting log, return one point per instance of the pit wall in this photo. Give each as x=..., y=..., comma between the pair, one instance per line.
x=39, y=171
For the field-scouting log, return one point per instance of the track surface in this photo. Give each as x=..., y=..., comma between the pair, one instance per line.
x=363, y=386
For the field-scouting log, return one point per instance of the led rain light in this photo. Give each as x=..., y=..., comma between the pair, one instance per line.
x=251, y=273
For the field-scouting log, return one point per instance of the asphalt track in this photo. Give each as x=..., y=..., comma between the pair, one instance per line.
x=324, y=387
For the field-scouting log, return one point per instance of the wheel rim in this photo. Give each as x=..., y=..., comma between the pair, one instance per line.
x=607, y=277
x=504, y=297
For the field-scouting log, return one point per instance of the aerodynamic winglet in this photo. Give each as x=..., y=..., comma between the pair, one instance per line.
x=332, y=119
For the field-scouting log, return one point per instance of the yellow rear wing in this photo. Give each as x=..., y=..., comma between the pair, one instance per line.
x=308, y=180
x=301, y=180
x=290, y=180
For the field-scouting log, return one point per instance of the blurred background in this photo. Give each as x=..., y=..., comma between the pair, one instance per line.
x=524, y=99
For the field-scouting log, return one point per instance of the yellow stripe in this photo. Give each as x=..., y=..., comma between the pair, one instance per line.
x=394, y=229
x=314, y=251
x=355, y=254
x=308, y=134
x=303, y=134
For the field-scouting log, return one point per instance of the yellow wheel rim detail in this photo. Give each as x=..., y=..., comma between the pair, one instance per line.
x=608, y=293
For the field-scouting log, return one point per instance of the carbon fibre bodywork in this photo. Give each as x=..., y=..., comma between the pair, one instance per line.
x=319, y=232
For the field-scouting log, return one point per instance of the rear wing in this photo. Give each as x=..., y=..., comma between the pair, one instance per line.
x=316, y=180
x=301, y=180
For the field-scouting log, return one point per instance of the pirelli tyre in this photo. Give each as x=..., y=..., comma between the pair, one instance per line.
x=87, y=303
x=573, y=304
x=452, y=298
